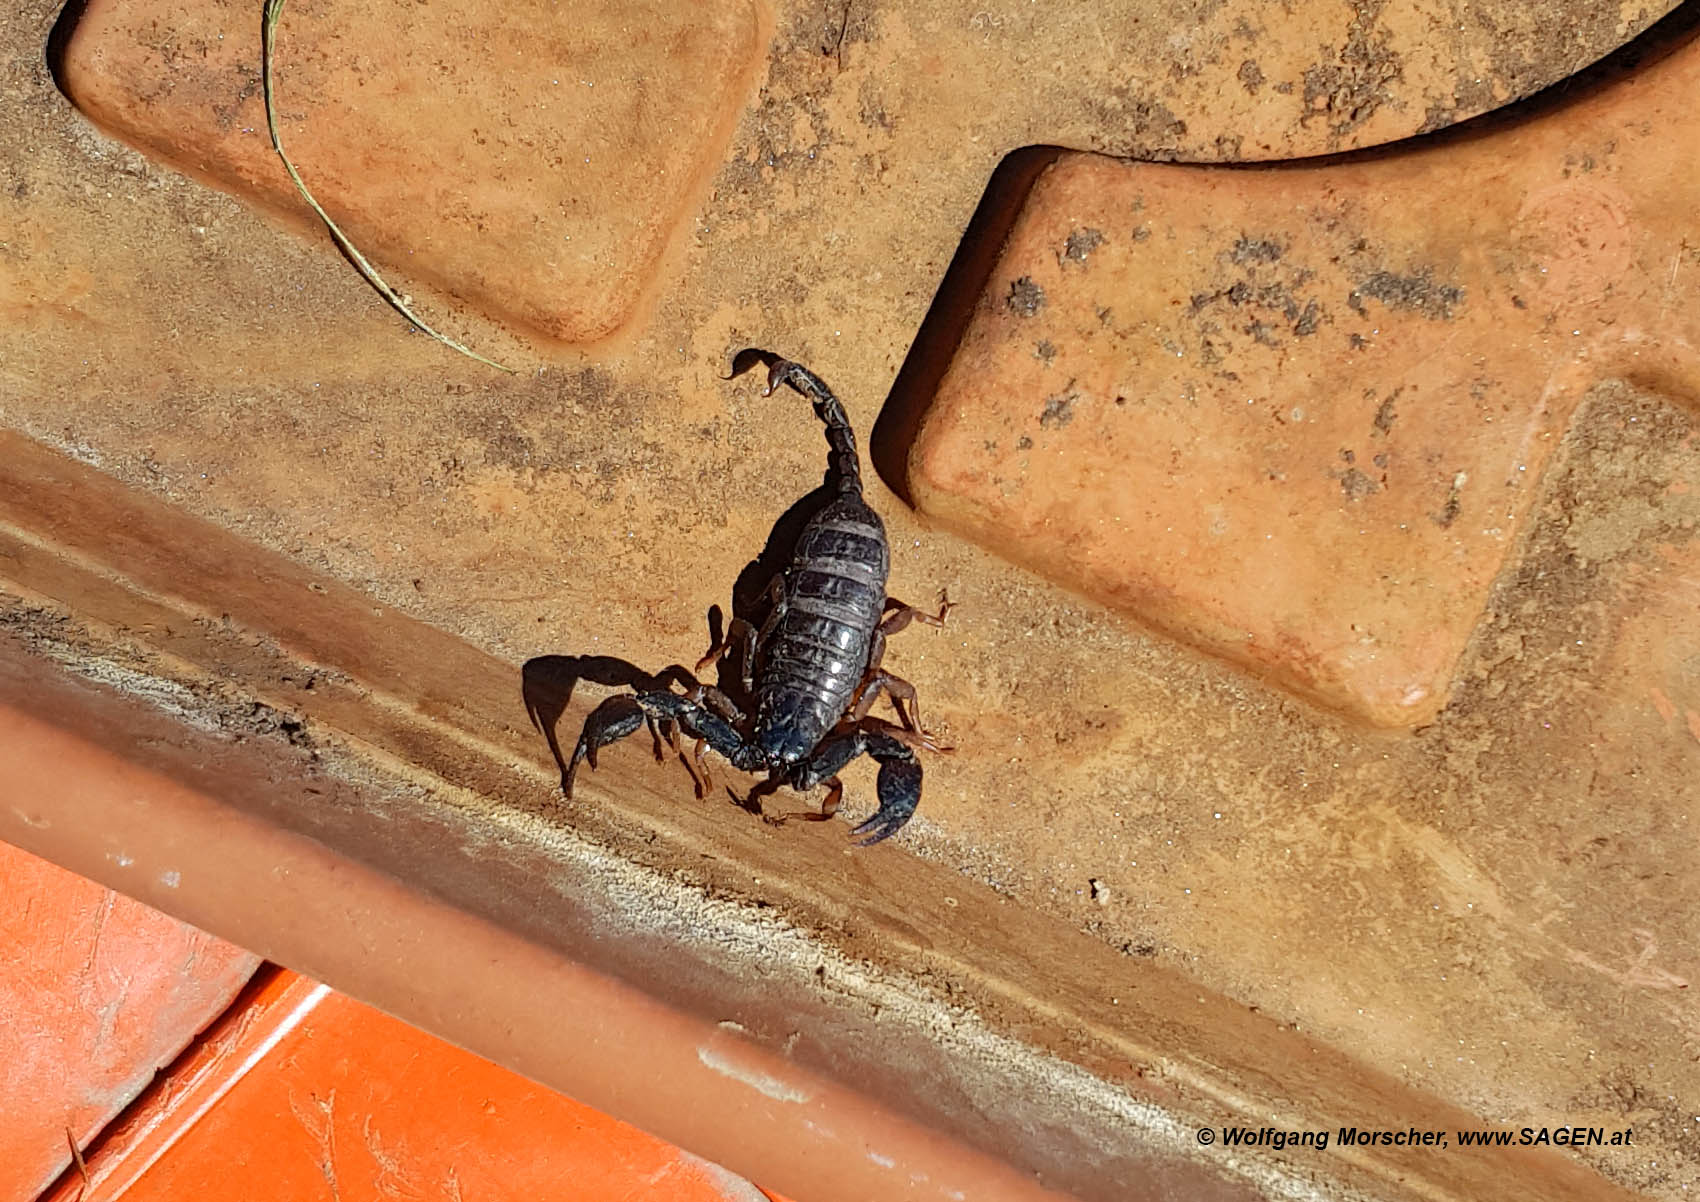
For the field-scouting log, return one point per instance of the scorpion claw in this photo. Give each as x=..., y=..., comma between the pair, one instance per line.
x=899, y=793
x=614, y=719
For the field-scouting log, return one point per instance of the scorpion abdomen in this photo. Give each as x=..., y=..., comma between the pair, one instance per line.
x=817, y=651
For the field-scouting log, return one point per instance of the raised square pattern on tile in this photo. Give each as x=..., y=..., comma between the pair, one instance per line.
x=531, y=160
x=1294, y=417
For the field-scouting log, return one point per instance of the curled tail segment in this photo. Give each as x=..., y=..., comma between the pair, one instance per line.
x=845, y=463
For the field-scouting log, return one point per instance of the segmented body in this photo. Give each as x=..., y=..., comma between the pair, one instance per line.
x=814, y=650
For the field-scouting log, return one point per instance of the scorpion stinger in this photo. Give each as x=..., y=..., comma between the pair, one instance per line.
x=813, y=668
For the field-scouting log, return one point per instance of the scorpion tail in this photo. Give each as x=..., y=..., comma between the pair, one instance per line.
x=843, y=459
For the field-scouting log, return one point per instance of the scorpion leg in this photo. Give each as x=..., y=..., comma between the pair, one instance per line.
x=717, y=702
x=915, y=740
x=878, y=680
x=656, y=736
x=899, y=690
x=911, y=733
x=737, y=630
x=775, y=611
x=703, y=782
x=901, y=614
x=829, y=807
x=899, y=782
x=751, y=801
x=746, y=633
x=693, y=762
x=661, y=729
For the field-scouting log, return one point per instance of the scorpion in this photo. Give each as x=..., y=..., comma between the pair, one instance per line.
x=813, y=668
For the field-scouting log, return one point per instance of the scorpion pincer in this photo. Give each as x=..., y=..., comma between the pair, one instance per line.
x=813, y=669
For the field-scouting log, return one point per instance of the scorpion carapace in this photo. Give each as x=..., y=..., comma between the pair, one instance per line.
x=813, y=669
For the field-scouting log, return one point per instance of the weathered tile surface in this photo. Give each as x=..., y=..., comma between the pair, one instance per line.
x=1293, y=417
x=98, y=992
x=531, y=160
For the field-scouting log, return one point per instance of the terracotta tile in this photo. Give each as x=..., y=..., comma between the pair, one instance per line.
x=532, y=163
x=98, y=992
x=308, y=1091
x=1294, y=417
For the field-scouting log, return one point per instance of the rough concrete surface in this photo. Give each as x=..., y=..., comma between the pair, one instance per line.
x=1496, y=908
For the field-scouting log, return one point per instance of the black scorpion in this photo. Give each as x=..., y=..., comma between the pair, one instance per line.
x=813, y=668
